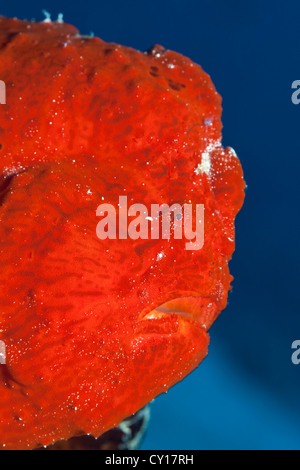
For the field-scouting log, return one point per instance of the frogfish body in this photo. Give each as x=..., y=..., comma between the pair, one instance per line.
x=95, y=329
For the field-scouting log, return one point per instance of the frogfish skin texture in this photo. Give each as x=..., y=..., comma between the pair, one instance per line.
x=95, y=329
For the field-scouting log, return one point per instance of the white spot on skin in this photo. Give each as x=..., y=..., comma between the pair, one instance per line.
x=205, y=165
x=232, y=151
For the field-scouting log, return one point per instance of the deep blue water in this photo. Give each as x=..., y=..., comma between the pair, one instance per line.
x=246, y=393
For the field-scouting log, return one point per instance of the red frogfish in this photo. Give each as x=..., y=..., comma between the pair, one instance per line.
x=94, y=328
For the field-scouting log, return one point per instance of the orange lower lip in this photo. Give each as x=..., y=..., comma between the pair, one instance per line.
x=187, y=307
